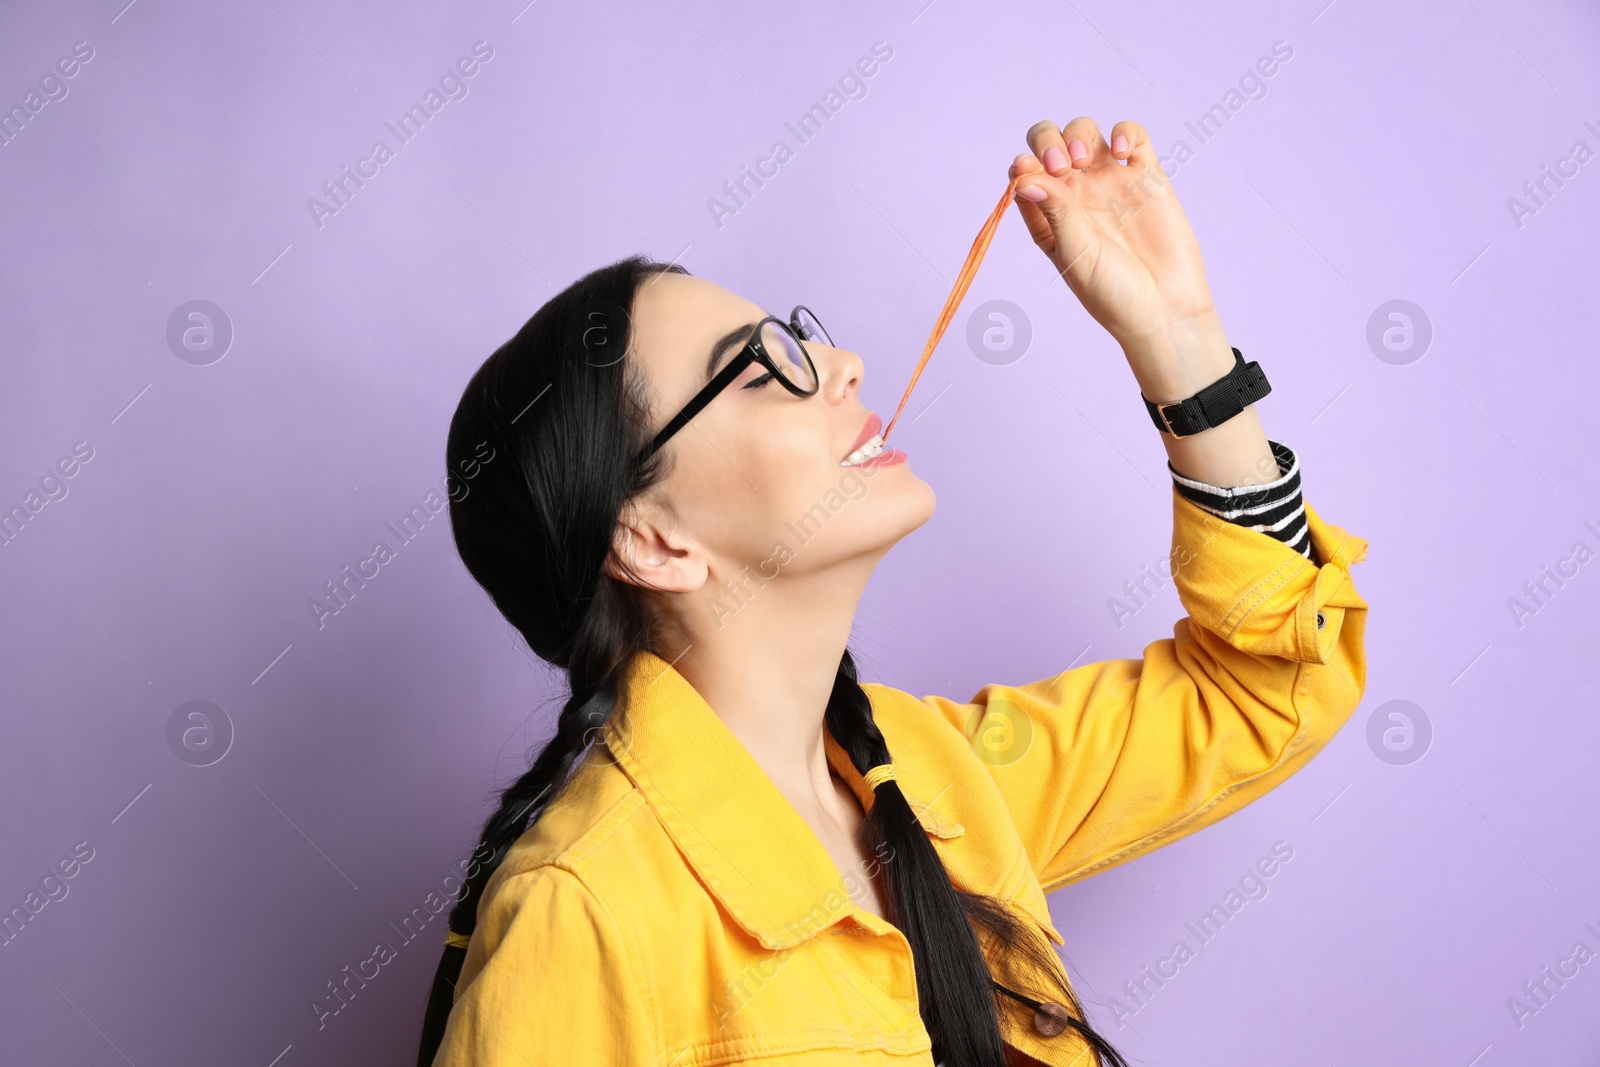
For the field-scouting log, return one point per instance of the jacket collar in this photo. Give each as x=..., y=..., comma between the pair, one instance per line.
x=742, y=837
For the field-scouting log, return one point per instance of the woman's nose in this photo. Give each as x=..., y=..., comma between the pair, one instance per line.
x=841, y=374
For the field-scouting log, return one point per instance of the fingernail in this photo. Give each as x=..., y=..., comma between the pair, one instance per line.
x=1055, y=161
x=1119, y=143
x=1077, y=150
x=1032, y=192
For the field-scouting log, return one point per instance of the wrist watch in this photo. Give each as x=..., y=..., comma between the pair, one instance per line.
x=1215, y=404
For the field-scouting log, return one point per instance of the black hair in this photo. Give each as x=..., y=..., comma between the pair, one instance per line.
x=566, y=414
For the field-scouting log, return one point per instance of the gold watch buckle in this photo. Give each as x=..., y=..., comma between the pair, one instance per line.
x=1161, y=409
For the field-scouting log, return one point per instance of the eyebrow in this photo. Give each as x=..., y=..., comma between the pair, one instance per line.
x=733, y=339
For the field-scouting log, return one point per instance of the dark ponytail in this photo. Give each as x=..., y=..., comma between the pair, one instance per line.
x=533, y=526
x=565, y=415
x=958, y=996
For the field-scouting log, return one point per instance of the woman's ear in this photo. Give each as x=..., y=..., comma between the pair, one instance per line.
x=648, y=550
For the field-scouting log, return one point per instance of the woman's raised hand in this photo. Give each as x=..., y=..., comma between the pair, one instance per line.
x=1119, y=238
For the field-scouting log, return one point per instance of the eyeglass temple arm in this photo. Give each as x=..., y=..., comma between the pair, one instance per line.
x=694, y=407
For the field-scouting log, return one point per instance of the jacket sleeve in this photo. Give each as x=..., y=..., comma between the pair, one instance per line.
x=550, y=982
x=1107, y=761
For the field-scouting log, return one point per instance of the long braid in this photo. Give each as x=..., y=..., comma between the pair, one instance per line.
x=959, y=998
x=594, y=679
x=533, y=523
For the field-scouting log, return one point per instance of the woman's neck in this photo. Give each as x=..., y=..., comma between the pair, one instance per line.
x=767, y=670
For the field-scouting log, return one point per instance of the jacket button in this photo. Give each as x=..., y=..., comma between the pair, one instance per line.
x=1320, y=620
x=1050, y=1018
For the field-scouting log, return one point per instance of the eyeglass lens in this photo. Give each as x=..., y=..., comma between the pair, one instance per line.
x=810, y=328
x=787, y=355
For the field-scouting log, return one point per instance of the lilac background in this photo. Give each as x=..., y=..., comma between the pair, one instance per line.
x=1378, y=166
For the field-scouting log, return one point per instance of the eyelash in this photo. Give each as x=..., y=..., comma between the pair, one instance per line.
x=759, y=382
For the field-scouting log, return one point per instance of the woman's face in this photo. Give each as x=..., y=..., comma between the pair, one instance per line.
x=756, y=478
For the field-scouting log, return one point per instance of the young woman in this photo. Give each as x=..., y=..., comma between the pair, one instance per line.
x=734, y=851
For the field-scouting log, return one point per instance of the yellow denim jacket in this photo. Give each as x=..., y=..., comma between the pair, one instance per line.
x=672, y=909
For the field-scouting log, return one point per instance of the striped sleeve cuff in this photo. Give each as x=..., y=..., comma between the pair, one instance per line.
x=1277, y=508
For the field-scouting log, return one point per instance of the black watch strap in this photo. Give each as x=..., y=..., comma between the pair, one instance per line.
x=1215, y=404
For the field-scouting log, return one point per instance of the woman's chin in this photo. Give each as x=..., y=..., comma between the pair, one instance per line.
x=919, y=504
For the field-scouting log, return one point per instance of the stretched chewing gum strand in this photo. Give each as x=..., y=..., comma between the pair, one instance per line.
x=963, y=282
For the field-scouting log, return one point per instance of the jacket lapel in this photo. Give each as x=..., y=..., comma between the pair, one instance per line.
x=742, y=837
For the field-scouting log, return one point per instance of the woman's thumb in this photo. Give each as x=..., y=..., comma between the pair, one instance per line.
x=1048, y=208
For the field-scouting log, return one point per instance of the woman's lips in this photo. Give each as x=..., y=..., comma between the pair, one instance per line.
x=873, y=447
x=887, y=458
x=868, y=431
x=870, y=442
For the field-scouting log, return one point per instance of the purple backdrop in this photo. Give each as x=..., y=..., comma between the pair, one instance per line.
x=217, y=395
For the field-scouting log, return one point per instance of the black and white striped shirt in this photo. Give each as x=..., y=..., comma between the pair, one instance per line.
x=1275, y=508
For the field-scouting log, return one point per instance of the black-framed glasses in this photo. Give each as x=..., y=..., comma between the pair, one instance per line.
x=777, y=346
